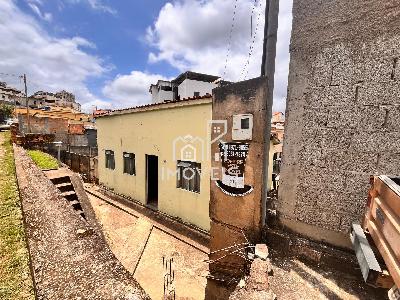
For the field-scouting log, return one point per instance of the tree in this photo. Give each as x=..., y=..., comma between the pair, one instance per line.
x=5, y=112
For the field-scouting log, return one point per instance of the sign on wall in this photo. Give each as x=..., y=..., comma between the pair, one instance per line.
x=233, y=157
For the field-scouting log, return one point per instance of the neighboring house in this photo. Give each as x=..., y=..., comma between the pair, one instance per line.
x=67, y=125
x=186, y=85
x=61, y=99
x=158, y=154
x=39, y=99
x=9, y=94
x=278, y=129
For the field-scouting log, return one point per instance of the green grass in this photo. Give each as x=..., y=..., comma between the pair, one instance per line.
x=15, y=276
x=43, y=160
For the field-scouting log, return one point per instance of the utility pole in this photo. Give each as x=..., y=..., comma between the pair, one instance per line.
x=27, y=105
x=268, y=70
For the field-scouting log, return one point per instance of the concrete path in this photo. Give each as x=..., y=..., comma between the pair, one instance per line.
x=70, y=261
x=141, y=243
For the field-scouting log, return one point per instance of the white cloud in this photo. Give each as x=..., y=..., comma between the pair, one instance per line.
x=132, y=89
x=34, y=5
x=193, y=35
x=96, y=5
x=50, y=63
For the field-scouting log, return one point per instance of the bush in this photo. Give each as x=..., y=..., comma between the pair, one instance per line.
x=6, y=112
x=43, y=160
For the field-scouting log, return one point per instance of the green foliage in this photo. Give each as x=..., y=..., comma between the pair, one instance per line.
x=43, y=160
x=15, y=277
x=5, y=112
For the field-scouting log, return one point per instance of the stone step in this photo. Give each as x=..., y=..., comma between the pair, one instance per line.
x=69, y=193
x=61, y=185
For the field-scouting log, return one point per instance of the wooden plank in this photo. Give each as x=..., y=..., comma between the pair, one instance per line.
x=386, y=251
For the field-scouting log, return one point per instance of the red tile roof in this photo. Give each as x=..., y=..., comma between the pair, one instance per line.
x=158, y=104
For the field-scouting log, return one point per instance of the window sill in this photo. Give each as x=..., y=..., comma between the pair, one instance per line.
x=196, y=193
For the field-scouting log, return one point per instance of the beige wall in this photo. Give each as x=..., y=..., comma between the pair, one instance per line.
x=152, y=132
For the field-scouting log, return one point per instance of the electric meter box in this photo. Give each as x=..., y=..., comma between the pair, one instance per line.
x=242, y=127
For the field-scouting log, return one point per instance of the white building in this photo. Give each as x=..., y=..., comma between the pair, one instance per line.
x=62, y=99
x=9, y=94
x=186, y=85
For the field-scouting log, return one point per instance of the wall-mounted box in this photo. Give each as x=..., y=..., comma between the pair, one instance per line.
x=242, y=127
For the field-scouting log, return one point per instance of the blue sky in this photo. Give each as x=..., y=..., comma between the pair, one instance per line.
x=109, y=52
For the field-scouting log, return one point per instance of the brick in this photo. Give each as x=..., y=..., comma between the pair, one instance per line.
x=322, y=218
x=343, y=72
x=393, y=118
x=311, y=154
x=379, y=94
x=342, y=117
x=389, y=164
x=316, y=117
x=340, y=96
x=320, y=179
x=371, y=118
x=358, y=183
x=375, y=69
x=329, y=138
x=381, y=141
x=350, y=161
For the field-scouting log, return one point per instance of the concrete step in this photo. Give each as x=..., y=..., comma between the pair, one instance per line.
x=68, y=193
x=59, y=180
x=60, y=185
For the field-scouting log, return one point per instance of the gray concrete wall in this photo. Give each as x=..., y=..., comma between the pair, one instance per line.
x=342, y=113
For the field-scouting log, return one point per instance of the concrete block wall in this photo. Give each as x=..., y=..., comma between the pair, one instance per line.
x=342, y=117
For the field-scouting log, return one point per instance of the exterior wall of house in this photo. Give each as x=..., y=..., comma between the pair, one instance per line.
x=342, y=116
x=188, y=87
x=152, y=132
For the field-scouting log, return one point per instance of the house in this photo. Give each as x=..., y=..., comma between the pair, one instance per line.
x=61, y=99
x=159, y=155
x=278, y=130
x=9, y=94
x=186, y=85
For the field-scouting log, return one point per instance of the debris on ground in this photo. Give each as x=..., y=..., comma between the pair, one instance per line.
x=67, y=265
x=256, y=286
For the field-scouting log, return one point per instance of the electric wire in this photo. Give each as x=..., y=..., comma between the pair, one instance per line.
x=245, y=71
x=230, y=39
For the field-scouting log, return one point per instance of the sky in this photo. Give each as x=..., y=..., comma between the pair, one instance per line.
x=109, y=52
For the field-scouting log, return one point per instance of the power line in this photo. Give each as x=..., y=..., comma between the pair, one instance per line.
x=11, y=75
x=230, y=38
x=245, y=70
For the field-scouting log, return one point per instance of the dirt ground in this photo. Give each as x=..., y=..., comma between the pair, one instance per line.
x=141, y=243
x=70, y=261
x=294, y=280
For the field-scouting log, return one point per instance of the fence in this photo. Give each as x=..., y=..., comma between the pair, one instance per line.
x=80, y=159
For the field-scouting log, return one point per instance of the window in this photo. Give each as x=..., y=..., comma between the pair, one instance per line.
x=129, y=163
x=188, y=176
x=196, y=94
x=110, y=160
x=166, y=88
x=245, y=123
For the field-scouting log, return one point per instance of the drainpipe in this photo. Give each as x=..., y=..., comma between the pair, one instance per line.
x=268, y=70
